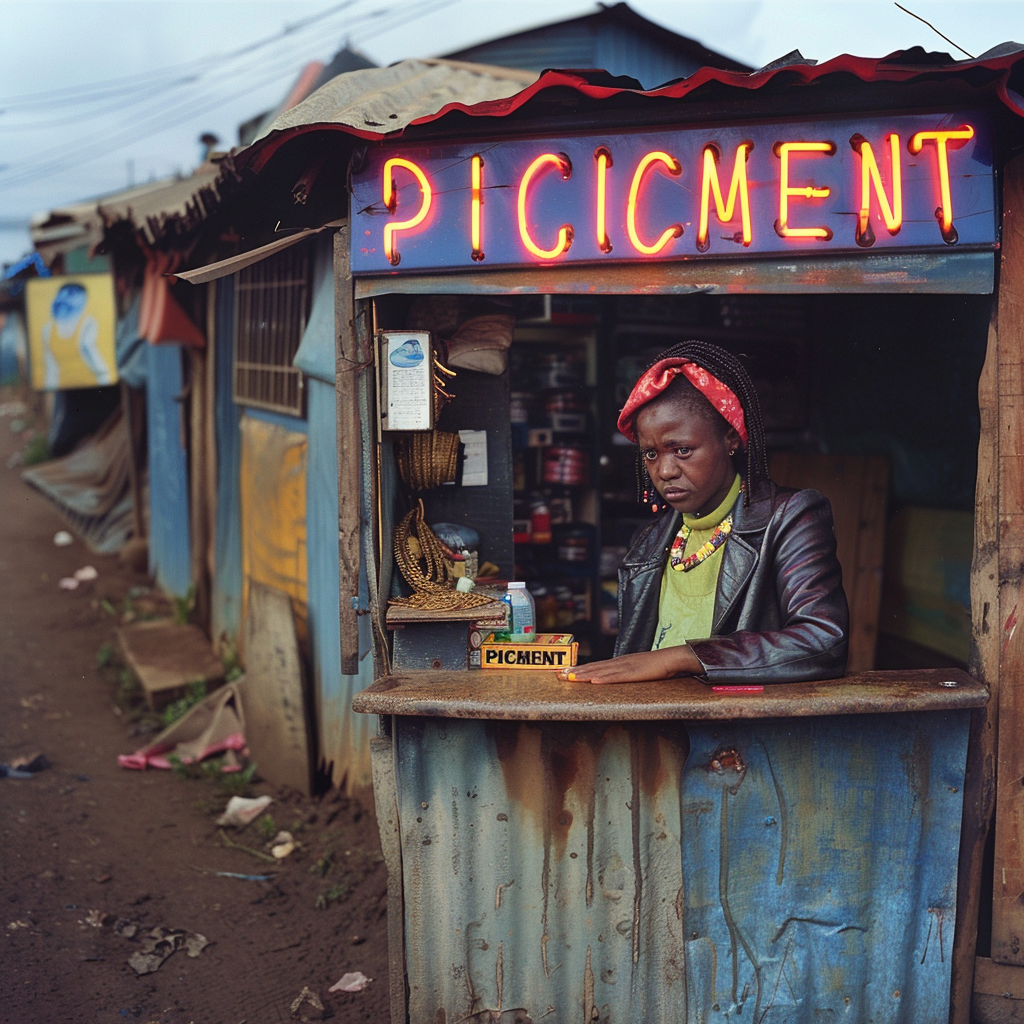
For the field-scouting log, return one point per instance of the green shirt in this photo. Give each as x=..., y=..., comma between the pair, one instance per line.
x=687, y=605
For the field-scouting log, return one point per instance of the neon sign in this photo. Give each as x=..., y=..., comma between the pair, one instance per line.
x=909, y=182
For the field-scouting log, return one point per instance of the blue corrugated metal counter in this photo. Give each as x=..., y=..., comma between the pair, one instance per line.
x=704, y=864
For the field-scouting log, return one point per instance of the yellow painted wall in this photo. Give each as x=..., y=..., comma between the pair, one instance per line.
x=273, y=476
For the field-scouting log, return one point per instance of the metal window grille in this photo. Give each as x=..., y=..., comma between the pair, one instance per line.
x=271, y=309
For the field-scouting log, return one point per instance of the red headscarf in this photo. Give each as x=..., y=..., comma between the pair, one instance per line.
x=658, y=378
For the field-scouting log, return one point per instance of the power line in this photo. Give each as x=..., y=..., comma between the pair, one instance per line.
x=170, y=97
x=59, y=159
x=67, y=95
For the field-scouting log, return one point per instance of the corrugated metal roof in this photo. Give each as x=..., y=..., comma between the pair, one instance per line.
x=376, y=102
x=411, y=98
x=914, y=67
x=145, y=207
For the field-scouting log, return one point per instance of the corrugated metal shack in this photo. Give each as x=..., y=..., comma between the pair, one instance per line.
x=219, y=437
x=614, y=38
x=262, y=484
x=760, y=858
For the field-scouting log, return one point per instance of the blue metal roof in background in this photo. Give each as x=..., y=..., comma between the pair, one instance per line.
x=615, y=39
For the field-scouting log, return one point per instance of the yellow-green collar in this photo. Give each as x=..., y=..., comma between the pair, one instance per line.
x=712, y=519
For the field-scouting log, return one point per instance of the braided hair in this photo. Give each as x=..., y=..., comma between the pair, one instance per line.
x=731, y=372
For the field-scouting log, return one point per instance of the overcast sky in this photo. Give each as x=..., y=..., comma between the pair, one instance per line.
x=98, y=95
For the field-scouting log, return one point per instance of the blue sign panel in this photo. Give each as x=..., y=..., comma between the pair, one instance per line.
x=908, y=182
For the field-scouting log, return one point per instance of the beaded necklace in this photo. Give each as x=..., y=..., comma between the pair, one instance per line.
x=708, y=548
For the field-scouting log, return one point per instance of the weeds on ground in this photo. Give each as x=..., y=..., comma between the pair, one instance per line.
x=267, y=827
x=127, y=692
x=36, y=450
x=195, y=692
x=229, y=657
x=333, y=895
x=184, y=606
x=323, y=864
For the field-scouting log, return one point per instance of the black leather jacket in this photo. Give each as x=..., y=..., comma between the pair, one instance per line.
x=780, y=610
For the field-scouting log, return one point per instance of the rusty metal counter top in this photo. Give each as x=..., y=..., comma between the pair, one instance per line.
x=542, y=696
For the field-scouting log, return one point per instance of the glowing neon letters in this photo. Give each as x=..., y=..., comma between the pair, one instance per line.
x=870, y=177
x=604, y=161
x=944, y=214
x=674, y=168
x=678, y=193
x=391, y=202
x=565, y=232
x=477, y=172
x=737, y=189
x=787, y=191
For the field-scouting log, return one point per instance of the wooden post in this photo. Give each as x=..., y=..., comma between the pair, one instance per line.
x=133, y=424
x=197, y=483
x=210, y=440
x=1008, y=887
x=979, y=786
x=347, y=365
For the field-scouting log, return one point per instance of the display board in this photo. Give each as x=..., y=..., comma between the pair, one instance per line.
x=900, y=182
x=71, y=330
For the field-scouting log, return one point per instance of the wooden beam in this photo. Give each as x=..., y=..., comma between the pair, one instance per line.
x=197, y=484
x=998, y=993
x=980, y=783
x=133, y=420
x=1008, y=887
x=210, y=437
x=347, y=365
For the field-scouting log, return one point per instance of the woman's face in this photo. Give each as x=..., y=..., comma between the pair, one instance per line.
x=687, y=456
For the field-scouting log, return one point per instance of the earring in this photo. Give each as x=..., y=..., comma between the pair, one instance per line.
x=649, y=492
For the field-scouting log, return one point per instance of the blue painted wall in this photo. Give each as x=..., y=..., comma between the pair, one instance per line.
x=343, y=737
x=169, y=535
x=226, y=610
x=610, y=871
x=588, y=43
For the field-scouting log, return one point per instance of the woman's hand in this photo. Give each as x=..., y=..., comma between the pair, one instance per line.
x=668, y=663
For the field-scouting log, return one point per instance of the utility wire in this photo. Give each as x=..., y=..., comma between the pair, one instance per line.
x=59, y=159
x=165, y=113
x=169, y=98
x=934, y=29
x=180, y=72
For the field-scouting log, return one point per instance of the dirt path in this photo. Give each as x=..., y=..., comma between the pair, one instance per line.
x=85, y=843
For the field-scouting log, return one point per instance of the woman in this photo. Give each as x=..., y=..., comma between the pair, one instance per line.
x=737, y=579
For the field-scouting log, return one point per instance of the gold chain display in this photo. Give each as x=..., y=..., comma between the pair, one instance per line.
x=416, y=543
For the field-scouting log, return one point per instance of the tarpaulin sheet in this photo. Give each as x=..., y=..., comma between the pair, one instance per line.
x=91, y=487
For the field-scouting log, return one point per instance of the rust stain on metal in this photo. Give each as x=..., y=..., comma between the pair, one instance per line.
x=589, y=1007
x=499, y=974
x=498, y=891
x=638, y=876
x=938, y=920
x=728, y=759
x=1010, y=628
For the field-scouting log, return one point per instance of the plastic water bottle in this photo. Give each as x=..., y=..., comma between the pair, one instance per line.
x=523, y=614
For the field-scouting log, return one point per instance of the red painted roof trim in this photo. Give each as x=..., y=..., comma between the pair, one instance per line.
x=901, y=67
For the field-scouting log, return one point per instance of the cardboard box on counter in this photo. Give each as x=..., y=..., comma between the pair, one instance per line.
x=549, y=650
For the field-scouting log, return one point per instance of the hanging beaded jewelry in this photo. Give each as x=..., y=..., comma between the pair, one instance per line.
x=708, y=548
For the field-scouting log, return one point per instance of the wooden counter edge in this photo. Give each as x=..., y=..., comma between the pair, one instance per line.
x=540, y=696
